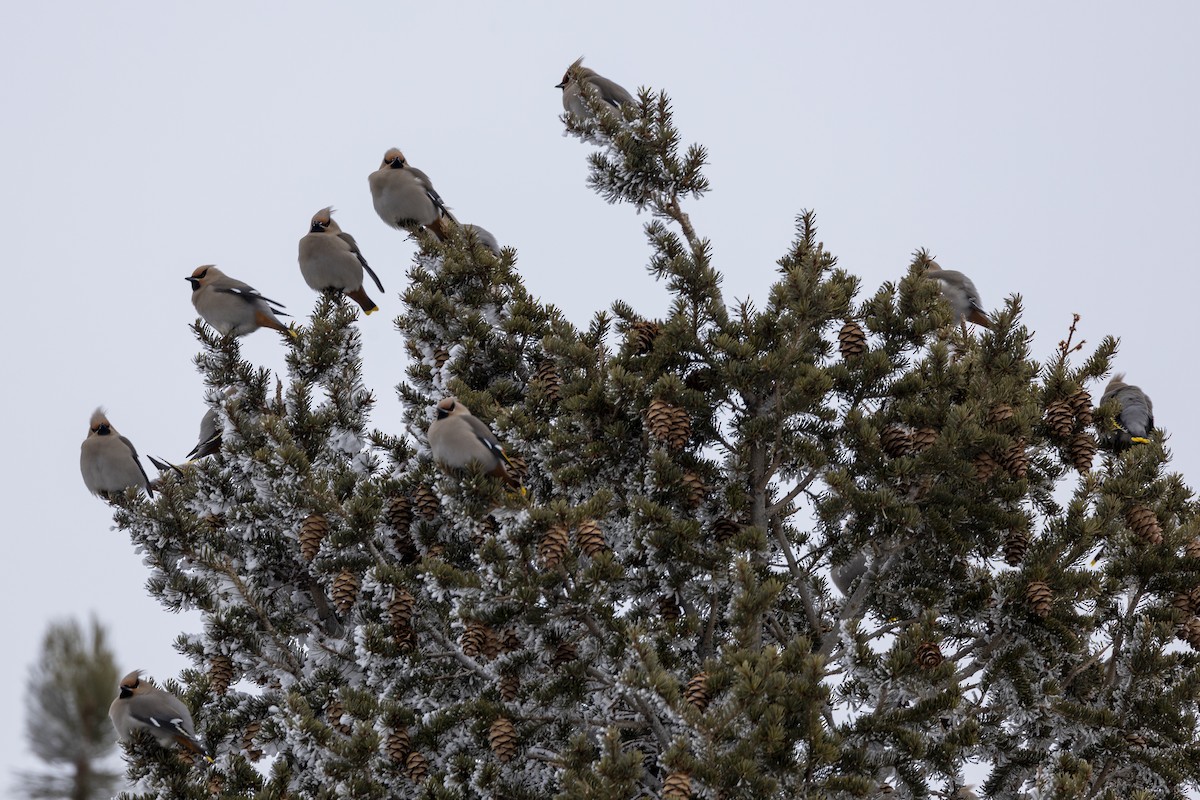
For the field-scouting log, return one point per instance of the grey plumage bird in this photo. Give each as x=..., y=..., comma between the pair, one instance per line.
x=404, y=196
x=232, y=307
x=960, y=293
x=109, y=462
x=142, y=706
x=484, y=237
x=330, y=260
x=1134, y=418
x=577, y=78
x=457, y=439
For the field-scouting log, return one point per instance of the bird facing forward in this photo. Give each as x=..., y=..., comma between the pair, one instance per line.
x=109, y=462
x=330, y=260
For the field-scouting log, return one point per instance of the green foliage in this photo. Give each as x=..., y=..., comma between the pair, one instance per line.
x=656, y=610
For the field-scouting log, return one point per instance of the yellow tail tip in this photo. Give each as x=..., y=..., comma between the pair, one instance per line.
x=1139, y=439
x=372, y=310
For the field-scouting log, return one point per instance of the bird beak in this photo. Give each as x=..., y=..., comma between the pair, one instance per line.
x=560, y=85
x=195, y=283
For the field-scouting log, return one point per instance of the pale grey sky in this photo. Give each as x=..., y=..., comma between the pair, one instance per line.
x=1045, y=149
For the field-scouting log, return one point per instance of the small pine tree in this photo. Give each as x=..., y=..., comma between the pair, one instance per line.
x=66, y=715
x=654, y=618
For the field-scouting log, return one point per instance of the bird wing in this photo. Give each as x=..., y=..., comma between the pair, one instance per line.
x=486, y=438
x=612, y=93
x=348, y=239
x=138, y=461
x=251, y=295
x=427, y=185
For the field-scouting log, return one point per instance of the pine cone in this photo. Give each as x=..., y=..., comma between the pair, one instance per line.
x=312, y=532
x=1135, y=740
x=695, y=487
x=502, y=737
x=669, y=609
x=929, y=655
x=923, y=438
x=345, y=590
x=252, y=751
x=518, y=468
x=1190, y=632
x=1082, y=451
x=547, y=379
x=591, y=538
x=565, y=653
x=1186, y=603
x=1000, y=414
x=479, y=640
x=398, y=513
x=399, y=744
x=1040, y=597
x=416, y=767
x=696, y=694
x=724, y=529
x=1144, y=522
x=1081, y=404
x=552, y=549
x=405, y=637
x=642, y=335
x=677, y=786
x=1016, y=545
x=334, y=711
x=669, y=424
x=1060, y=419
x=220, y=673
x=510, y=642
x=426, y=501
x=440, y=356
x=896, y=441
x=985, y=466
x=510, y=687
x=851, y=340
x=214, y=523
x=400, y=607
x=1016, y=459
x=1192, y=549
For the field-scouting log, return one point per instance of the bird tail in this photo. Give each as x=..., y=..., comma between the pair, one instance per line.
x=359, y=296
x=980, y=318
x=162, y=465
x=192, y=746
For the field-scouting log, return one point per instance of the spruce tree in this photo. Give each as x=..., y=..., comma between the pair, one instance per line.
x=653, y=616
x=66, y=715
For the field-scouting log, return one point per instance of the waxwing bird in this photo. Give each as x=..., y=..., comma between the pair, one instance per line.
x=457, y=440
x=577, y=77
x=143, y=706
x=960, y=293
x=404, y=196
x=1134, y=418
x=484, y=237
x=330, y=260
x=844, y=575
x=109, y=462
x=232, y=307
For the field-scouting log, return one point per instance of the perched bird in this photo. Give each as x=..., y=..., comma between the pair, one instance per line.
x=1134, y=418
x=577, y=77
x=844, y=575
x=232, y=307
x=109, y=462
x=404, y=196
x=330, y=259
x=484, y=237
x=961, y=294
x=457, y=440
x=142, y=706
